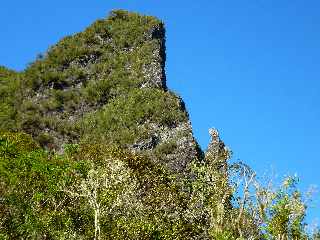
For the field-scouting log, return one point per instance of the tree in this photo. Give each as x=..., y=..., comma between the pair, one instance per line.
x=278, y=212
x=109, y=190
x=210, y=204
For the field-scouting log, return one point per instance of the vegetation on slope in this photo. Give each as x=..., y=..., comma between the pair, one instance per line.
x=86, y=134
x=9, y=98
x=82, y=73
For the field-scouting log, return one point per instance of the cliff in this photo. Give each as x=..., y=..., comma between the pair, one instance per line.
x=106, y=84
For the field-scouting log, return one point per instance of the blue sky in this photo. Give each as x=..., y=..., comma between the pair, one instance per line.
x=249, y=68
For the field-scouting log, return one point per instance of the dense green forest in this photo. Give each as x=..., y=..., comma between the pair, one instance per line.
x=93, y=145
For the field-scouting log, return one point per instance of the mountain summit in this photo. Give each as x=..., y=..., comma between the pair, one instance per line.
x=105, y=84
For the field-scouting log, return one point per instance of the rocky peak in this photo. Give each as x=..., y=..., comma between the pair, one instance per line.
x=217, y=153
x=108, y=84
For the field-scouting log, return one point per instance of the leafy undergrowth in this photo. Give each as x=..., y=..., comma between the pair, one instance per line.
x=98, y=191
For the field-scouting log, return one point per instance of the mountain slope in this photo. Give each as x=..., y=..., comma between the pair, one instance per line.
x=106, y=84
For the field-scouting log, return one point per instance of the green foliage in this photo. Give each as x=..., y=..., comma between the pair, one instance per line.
x=12, y=144
x=10, y=98
x=50, y=196
x=211, y=193
x=100, y=191
x=28, y=187
x=165, y=148
x=119, y=122
x=287, y=212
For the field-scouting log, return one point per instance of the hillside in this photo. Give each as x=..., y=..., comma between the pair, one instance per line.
x=105, y=84
x=93, y=145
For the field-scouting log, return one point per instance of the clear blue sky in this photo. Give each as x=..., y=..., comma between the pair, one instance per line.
x=249, y=68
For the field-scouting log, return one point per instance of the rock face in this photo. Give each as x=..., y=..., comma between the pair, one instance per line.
x=107, y=84
x=217, y=153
